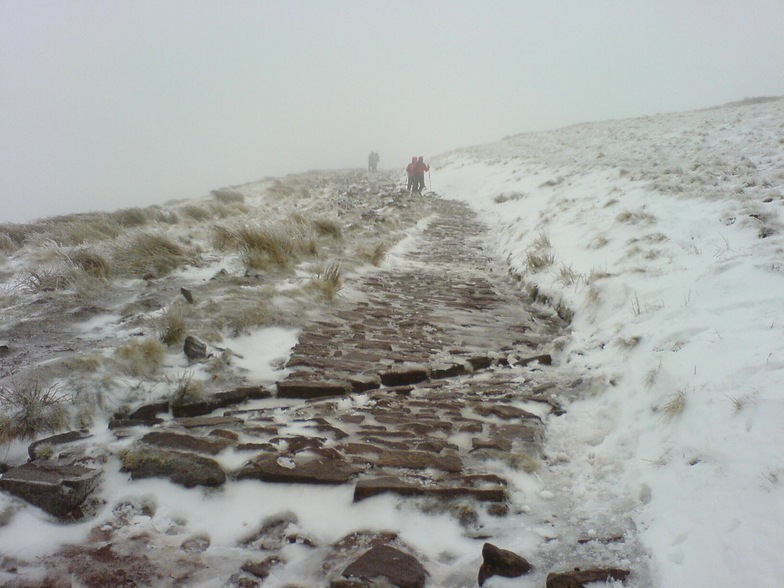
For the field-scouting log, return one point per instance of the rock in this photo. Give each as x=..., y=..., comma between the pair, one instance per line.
x=194, y=349
x=208, y=421
x=503, y=411
x=480, y=362
x=501, y=562
x=149, y=412
x=298, y=470
x=579, y=578
x=440, y=371
x=126, y=423
x=544, y=359
x=187, y=469
x=180, y=442
x=483, y=489
x=187, y=294
x=61, y=439
x=420, y=460
x=262, y=568
x=309, y=389
x=57, y=489
x=220, y=400
x=384, y=561
x=404, y=376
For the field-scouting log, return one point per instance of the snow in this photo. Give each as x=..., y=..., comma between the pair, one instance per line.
x=689, y=304
x=666, y=236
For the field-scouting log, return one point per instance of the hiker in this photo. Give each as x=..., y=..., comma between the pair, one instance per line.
x=373, y=160
x=410, y=171
x=420, y=167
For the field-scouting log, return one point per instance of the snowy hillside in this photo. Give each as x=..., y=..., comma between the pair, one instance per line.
x=665, y=237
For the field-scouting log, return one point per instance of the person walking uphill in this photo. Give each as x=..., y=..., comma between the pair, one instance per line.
x=410, y=170
x=419, y=174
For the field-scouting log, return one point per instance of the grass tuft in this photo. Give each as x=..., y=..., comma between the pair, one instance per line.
x=675, y=405
x=30, y=409
x=141, y=359
x=149, y=253
x=171, y=325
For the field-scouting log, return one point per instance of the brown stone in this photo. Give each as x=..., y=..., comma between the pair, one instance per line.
x=501, y=562
x=405, y=376
x=384, y=561
x=579, y=578
x=56, y=440
x=180, y=442
x=420, y=460
x=298, y=470
x=483, y=491
x=57, y=489
x=308, y=389
x=185, y=468
x=149, y=412
x=208, y=421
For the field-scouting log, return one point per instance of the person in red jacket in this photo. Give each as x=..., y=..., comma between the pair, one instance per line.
x=410, y=170
x=419, y=174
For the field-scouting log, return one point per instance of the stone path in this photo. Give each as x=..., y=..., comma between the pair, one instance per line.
x=447, y=357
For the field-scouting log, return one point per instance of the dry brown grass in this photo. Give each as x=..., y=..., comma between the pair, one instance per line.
x=329, y=227
x=149, y=253
x=30, y=409
x=90, y=262
x=171, y=325
x=329, y=281
x=141, y=359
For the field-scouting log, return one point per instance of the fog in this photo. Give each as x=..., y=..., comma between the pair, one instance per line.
x=107, y=105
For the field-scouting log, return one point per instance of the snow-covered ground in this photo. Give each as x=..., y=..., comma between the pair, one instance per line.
x=665, y=236
x=662, y=236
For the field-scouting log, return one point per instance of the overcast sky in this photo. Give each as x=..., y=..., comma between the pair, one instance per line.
x=116, y=103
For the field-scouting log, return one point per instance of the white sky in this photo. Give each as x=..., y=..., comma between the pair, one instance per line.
x=114, y=104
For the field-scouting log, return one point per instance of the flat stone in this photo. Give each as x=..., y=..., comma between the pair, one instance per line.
x=312, y=389
x=404, y=376
x=57, y=489
x=208, y=421
x=461, y=486
x=185, y=468
x=298, y=470
x=579, y=578
x=61, y=439
x=544, y=359
x=440, y=371
x=393, y=565
x=220, y=400
x=503, y=411
x=212, y=445
x=420, y=460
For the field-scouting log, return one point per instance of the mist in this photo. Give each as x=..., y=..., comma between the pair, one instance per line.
x=107, y=105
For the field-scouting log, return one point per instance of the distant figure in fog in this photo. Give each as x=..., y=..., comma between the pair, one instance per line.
x=420, y=167
x=411, y=172
x=373, y=160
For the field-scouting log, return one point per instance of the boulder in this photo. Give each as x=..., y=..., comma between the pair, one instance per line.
x=187, y=469
x=386, y=563
x=501, y=562
x=57, y=489
x=579, y=578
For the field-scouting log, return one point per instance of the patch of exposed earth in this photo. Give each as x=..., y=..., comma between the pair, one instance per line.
x=428, y=382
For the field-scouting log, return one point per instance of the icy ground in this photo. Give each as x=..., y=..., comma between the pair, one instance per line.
x=661, y=237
